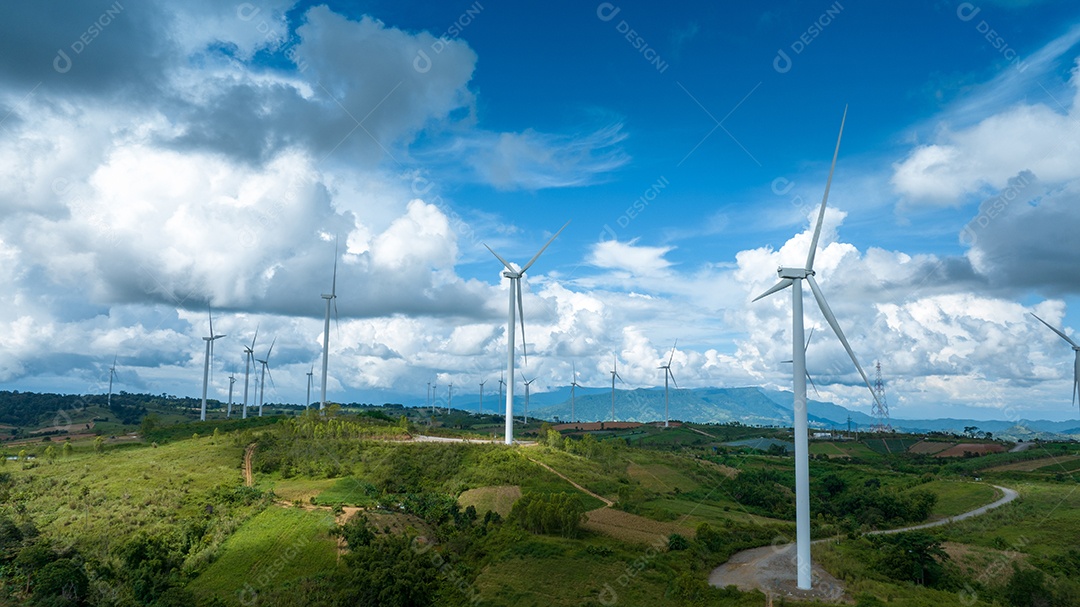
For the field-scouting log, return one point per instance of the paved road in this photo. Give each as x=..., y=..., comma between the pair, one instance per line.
x=771, y=569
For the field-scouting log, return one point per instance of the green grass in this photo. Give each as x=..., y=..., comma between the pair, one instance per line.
x=277, y=546
x=348, y=491
x=955, y=497
x=1071, y=465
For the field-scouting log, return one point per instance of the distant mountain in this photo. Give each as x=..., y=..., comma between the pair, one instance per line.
x=757, y=406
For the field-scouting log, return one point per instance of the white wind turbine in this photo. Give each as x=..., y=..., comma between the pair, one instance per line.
x=310, y=381
x=206, y=363
x=515, y=291
x=573, y=390
x=232, y=380
x=793, y=277
x=450, y=398
x=112, y=374
x=667, y=374
x=1076, y=362
x=481, y=406
x=502, y=382
x=265, y=371
x=614, y=374
x=249, y=358
x=527, y=384
x=329, y=297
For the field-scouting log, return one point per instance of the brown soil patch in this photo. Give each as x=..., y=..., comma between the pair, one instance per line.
x=929, y=447
x=491, y=499
x=980, y=448
x=631, y=527
x=594, y=426
x=977, y=561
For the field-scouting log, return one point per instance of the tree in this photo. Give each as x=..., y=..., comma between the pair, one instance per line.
x=149, y=424
x=554, y=438
x=68, y=449
x=1027, y=588
x=99, y=445
x=61, y=582
x=50, y=453
x=912, y=556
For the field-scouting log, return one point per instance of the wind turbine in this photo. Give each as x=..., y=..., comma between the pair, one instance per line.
x=232, y=380
x=527, y=384
x=329, y=297
x=502, y=382
x=206, y=362
x=310, y=380
x=249, y=357
x=265, y=371
x=481, y=407
x=793, y=277
x=515, y=291
x=667, y=374
x=450, y=398
x=112, y=374
x=1076, y=349
x=614, y=374
x=573, y=390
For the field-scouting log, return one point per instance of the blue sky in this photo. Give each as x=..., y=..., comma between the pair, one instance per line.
x=162, y=158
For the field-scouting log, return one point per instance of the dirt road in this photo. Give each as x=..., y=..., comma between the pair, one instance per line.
x=606, y=501
x=249, y=478
x=771, y=569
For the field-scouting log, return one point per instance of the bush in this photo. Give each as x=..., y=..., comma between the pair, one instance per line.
x=677, y=542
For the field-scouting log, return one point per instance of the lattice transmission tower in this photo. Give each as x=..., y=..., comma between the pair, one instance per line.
x=880, y=408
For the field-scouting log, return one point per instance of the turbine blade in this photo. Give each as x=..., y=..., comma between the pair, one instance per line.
x=333, y=285
x=1063, y=336
x=827, y=312
x=255, y=337
x=504, y=262
x=811, y=336
x=1076, y=375
x=210, y=313
x=270, y=350
x=537, y=256
x=780, y=286
x=825, y=198
x=672, y=375
x=270, y=375
x=811, y=380
x=521, y=317
x=672, y=357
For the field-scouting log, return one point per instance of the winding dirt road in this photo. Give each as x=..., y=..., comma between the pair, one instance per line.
x=771, y=569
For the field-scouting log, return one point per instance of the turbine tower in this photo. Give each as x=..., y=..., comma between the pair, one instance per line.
x=794, y=277
x=614, y=374
x=573, y=390
x=667, y=374
x=112, y=374
x=329, y=297
x=880, y=407
x=515, y=292
x=232, y=380
x=265, y=371
x=1076, y=350
x=206, y=362
x=249, y=358
x=480, y=408
x=449, y=398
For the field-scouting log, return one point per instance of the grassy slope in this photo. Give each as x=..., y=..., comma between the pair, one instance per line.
x=276, y=546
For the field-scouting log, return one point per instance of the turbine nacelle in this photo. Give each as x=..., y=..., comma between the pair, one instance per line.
x=794, y=273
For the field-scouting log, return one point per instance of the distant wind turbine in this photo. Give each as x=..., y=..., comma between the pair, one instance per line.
x=527, y=384
x=249, y=358
x=206, y=363
x=1076, y=362
x=329, y=297
x=805, y=348
x=450, y=398
x=573, y=390
x=614, y=374
x=667, y=374
x=515, y=292
x=793, y=277
x=481, y=406
x=310, y=380
x=232, y=380
x=265, y=371
x=112, y=374
x=502, y=382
